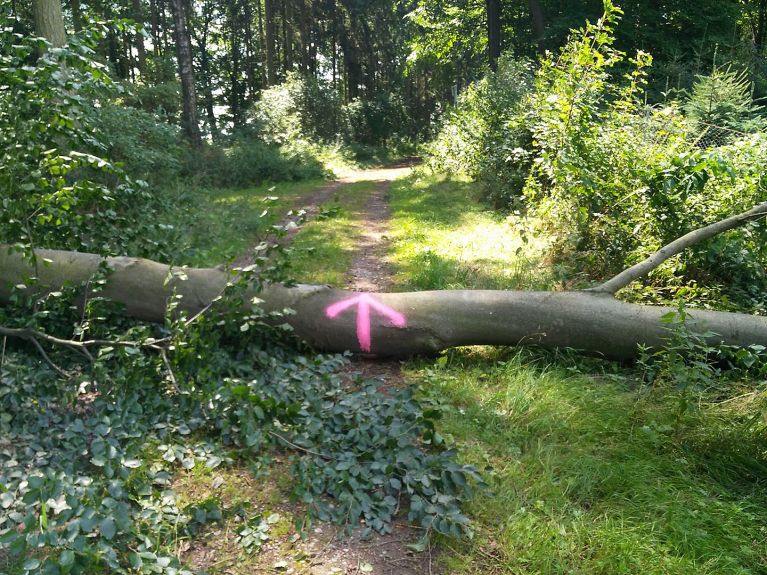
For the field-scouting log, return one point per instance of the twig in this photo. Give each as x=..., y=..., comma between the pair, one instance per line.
x=169, y=367
x=294, y=446
x=2, y=356
x=47, y=359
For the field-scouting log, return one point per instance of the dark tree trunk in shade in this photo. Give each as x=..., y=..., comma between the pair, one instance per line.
x=138, y=16
x=271, y=60
x=234, y=57
x=155, y=25
x=186, y=72
x=77, y=14
x=287, y=34
x=539, y=24
x=493, y=32
x=250, y=55
x=760, y=29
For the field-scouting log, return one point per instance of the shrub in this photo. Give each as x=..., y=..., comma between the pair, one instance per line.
x=60, y=189
x=250, y=162
x=486, y=137
x=300, y=108
x=148, y=148
x=378, y=120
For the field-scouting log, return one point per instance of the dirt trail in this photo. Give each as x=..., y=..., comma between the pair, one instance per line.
x=380, y=554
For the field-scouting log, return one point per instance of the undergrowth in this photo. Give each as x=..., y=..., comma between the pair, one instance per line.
x=90, y=446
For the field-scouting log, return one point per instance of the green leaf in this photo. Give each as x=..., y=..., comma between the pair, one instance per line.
x=108, y=528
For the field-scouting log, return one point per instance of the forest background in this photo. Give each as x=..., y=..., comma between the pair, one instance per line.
x=601, y=132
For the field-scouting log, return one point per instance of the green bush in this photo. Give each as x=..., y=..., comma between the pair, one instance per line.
x=248, y=162
x=377, y=121
x=615, y=180
x=300, y=108
x=486, y=136
x=60, y=188
x=147, y=147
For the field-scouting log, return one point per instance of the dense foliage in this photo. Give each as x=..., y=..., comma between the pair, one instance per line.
x=613, y=178
x=87, y=460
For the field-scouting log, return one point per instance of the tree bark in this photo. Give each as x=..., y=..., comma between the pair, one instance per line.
x=186, y=72
x=77, y=15
x=49, y=21
x=678, y=246
x=138, y=16
x=539, y=26
x=493, y=32
x=269, y=16
x=430, y=321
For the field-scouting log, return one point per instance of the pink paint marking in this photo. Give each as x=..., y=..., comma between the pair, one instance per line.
x=364, y=302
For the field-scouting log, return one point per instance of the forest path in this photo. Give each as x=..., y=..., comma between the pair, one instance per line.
x=370, y=272
x=364, y=195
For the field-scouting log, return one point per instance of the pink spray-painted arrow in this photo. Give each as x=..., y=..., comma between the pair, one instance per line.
x=364, y=302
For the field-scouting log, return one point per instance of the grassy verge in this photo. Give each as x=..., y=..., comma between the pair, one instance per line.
x=217, y=225
x=590, y=473
x=445, y=240
x=324, y=248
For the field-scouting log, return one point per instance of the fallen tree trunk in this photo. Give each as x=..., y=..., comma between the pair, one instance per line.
x=392, y=324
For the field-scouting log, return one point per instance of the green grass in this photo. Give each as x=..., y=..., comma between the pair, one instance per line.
x=443, y=239
x=324, y=248
x=217, y=225
x=591, y=474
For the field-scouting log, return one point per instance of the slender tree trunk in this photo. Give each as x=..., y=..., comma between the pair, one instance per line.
x=155, y=23
x=493, y=32
x=271, y=64
x=49, y=21
x=234, y=77
x=77, y=14
x=186, y=72
x=761, y=26
x=138, y=16
x=287, y=40
x=352, y=65
x=306, y=18
x=262, y=44
x=539, y=25
x=206, y=75
x=250, y=56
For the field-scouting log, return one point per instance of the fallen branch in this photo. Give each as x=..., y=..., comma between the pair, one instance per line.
x=35, y=337
x=626, y=277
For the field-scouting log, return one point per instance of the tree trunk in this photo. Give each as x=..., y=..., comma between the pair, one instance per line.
x=49, y=21
x=761, y=26
x=269, y=16
x=155, y=23
x=234, y=58
x=539, y=26
x=205, y=69
x=77, y=14
x=287, y=38
x=250, y=56
x=138, y=16
x=186, y=72
x=493, y=32
x=395, y=324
